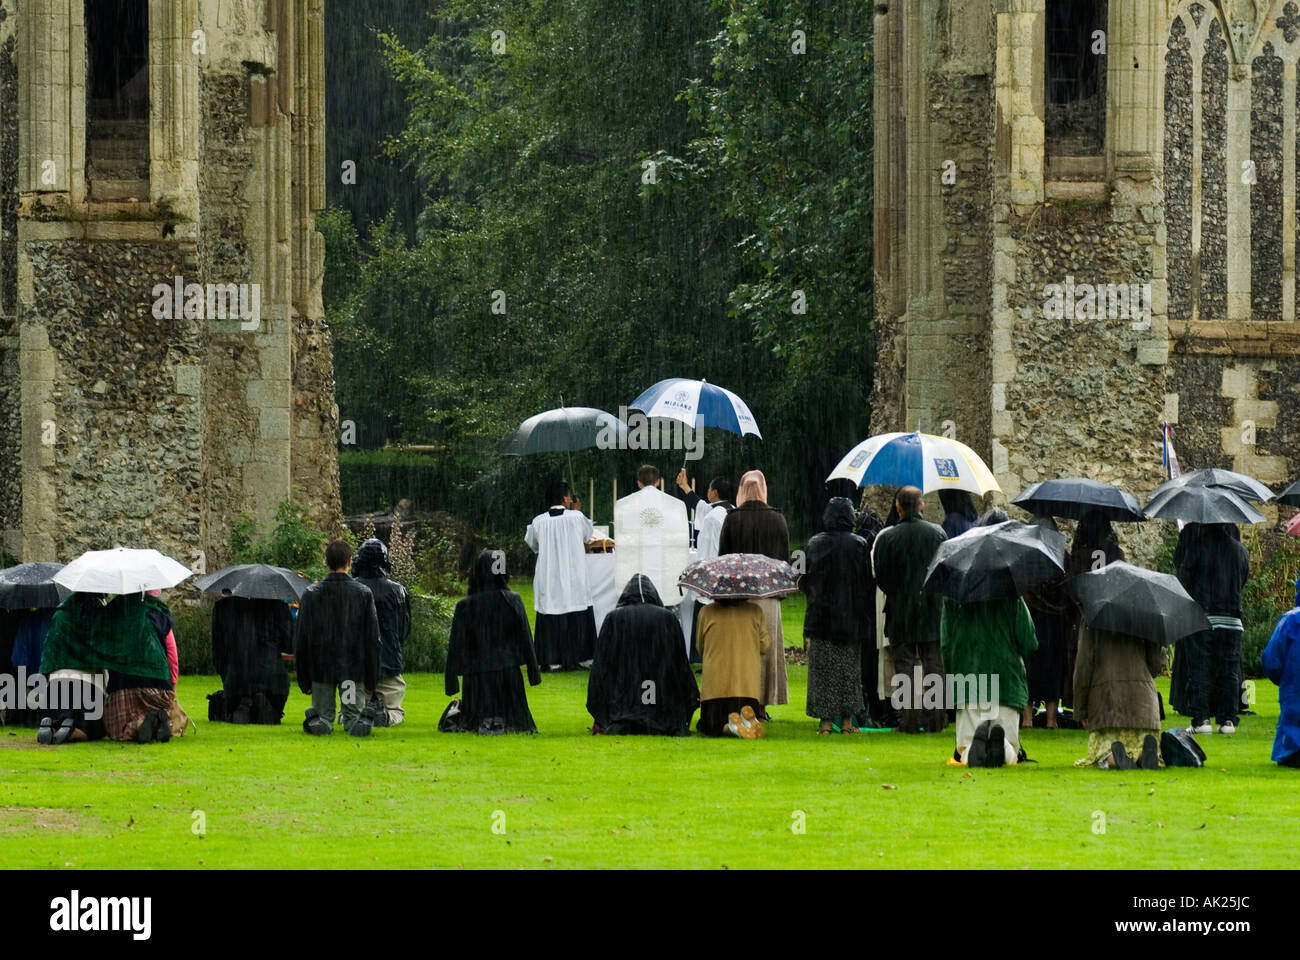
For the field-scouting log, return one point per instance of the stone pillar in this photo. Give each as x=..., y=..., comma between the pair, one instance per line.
x=1133, y=118
x=52, y=98
x=174, y=106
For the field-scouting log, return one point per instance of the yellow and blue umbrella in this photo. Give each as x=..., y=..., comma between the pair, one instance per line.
x=916, y=460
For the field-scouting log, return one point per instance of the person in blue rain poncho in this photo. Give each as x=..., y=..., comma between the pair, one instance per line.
x=1281, y=662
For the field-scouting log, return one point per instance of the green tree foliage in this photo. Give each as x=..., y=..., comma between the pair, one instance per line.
x=292, y=542
x=646, y=188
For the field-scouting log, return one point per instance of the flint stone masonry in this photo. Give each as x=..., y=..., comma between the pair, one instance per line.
x=960, y=286
x=116, y=426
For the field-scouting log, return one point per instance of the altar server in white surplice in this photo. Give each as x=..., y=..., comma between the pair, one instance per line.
x=566, y=626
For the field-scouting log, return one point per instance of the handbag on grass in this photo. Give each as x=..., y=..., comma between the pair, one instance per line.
x=1178, y=748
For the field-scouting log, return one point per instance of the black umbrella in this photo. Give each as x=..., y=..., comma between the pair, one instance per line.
x=256, y=581
x=1072, y=497
x=1291, y=495
x=1202, y=505
x=564, y=430
x=1248, y=488
x=31, y=585
x=992, y=563
x=1123, y=598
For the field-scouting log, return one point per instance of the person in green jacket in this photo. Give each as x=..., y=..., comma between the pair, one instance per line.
x=984, y=645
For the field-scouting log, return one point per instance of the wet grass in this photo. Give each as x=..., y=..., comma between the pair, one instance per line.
x=412, y=797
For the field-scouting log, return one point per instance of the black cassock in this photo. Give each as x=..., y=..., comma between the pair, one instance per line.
x=248, y=637
x=641, y=680
x=490, y=640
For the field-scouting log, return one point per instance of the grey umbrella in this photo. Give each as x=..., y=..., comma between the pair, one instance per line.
x=256, y=581
x=1291, y=495
x=996, y=562
x=1248, y=488
x=1202, y=505
x=564, y=430
x=1072, y=497
x=1123, y=598
x=31, y=585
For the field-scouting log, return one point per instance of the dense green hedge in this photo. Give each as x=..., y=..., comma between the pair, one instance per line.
x=425, y=650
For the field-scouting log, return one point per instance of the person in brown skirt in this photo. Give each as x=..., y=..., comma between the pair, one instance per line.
x=732, y=638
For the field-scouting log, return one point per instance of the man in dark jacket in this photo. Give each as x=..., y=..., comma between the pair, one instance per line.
x=337, y=645
x=641, y=681
x=393, y=605
x=902, y=555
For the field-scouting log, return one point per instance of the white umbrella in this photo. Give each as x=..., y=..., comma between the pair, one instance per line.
x=121, y=570
x=916, y=460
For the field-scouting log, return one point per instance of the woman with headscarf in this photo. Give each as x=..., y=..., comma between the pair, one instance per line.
x=1213, y=568
x=1095, y=545
x=755, y=527
x=840, y=610
x=91, y=634
x=641, y=680
x=882, y=679
x=1115, y=699
x=490, y=640
x=876, y=709
x=959, y=513
x=1046, y=666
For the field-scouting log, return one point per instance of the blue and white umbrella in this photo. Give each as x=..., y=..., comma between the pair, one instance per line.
x=697, y=403
x=916, y=460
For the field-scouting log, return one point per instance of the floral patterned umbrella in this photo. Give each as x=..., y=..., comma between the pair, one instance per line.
x=739, y=576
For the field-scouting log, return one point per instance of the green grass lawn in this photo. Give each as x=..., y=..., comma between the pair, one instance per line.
x=412, y=797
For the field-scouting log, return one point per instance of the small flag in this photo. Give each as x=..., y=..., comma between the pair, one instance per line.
x=1170, y=458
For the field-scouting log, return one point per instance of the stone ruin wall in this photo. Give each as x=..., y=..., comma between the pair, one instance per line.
x=11, y=428
x=124, y=467
x=169, y=429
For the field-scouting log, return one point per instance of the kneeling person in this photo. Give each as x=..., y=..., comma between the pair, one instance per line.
x=982, y=642
x=393, y=606
x=337, y=646
x=641, y=680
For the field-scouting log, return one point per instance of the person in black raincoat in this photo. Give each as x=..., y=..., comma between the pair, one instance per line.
x=839, y=618
x=959, y=513
x=248, y=639
x=1095, y=545
x=1046, y=666
x=1213, y=567
x=490, y=641
x=902, y=555
x=879, y=713
x=393, y=605
x=336, y=645
x=641, y=681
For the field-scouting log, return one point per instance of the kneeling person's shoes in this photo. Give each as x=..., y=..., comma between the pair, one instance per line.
x=361, y=727
x=148, y=728
x=978, y=751
x=64, y=731
x=1150, y=759
x=163, y=728
x=315, y=724
x=733, y=724
x=45, y=734
x=997, y=749
x=1120, y=758
x=751, y=728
